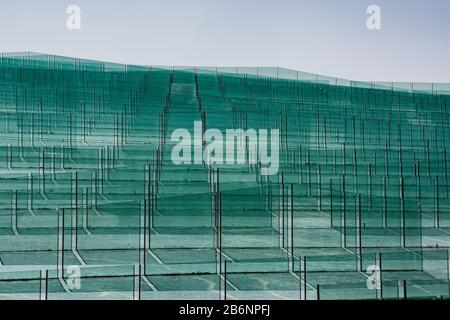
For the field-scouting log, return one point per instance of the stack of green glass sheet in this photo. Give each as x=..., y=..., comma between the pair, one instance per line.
x=92, y=206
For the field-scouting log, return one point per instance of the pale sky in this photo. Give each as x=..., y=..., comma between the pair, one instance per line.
x=328, y=37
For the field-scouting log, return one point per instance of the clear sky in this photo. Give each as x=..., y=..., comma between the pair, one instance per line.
x=329, y=37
